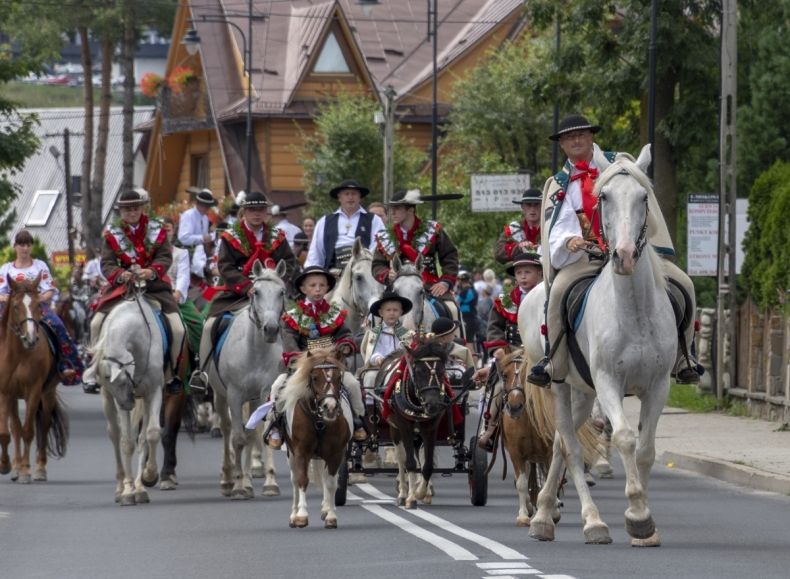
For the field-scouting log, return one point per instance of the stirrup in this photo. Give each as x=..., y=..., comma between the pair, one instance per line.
x=198, y=382
x=687, y=375
x=538, y=375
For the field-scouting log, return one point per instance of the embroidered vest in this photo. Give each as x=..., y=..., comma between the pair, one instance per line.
x=127, y=252
x=331, y=235
x=243, y=241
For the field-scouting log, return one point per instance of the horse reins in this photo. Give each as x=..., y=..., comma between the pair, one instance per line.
x=641, y=240
x=326, y=391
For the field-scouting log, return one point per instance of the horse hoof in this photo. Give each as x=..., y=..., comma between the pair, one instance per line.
x=149, y=483
x=24, y=479
x=541, y=531
x=240, y=495
x=606, y=475
x=330, y=524
x=640, y=529
x=324, y=514
x=5, y=467
x=216, y=433
x=141, y=498
x=257, y=472
x=167, y=485
x=127, y=501
x=400, y=502
x=40, y=476
x=427, y=500
x=597, y=535
x=653, y=541
x=226, y=489
x=411, y=504
x=271, y=491
x=15, y=476
x=300, y=522
x=522, y=521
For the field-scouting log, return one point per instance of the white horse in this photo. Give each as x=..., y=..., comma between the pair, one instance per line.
x=247, y=366
x=629, y=339
x=128, y=363
x=357, y=289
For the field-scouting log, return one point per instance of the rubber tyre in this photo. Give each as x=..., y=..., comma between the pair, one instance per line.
x=478, y=479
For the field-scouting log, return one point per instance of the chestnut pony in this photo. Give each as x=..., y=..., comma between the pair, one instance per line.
x=27, y=371
x=318, y=427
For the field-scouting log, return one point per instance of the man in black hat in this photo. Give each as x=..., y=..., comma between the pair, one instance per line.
x=193, y=223
x=572, y=227
x=334, y=234
x=137, y=247
x=522, y=235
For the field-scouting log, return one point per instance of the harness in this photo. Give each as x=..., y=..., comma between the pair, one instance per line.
x=312, y=407
x=410, y=401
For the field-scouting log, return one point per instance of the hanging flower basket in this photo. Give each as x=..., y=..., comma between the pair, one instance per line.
x=151, y=84
x=182, y=78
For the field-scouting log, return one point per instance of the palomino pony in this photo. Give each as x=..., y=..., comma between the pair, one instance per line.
x=245, y=371
x=419, y=403
x=357, y=288
x=27, y=371
x=629, y=340
x=128, y=362
x=319, y=426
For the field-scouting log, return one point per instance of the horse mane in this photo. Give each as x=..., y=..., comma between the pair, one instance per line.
x=298, y=385
x=429, y=348
x=655, y=219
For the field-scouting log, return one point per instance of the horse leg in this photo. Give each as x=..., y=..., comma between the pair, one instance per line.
x=257, y=469
x=238, y=441
x=652, y=403
x=299, y=465
x=402, y=479
x=114, y=432
x=329, y=483
x=226, y=475
x=411, y=468
x=270, y=486
x=149, y=475
x=44, y=415
x=127, y=444
x=429, y=446
x=28, y=432
x=5, y=434
x=521, y=468
x=172, y=408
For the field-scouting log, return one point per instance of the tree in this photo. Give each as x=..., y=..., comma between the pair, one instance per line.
x=347, y=144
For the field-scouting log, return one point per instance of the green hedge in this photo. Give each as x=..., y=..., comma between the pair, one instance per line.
x=766, y=267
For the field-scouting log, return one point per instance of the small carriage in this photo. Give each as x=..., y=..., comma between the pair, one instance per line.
x=460, y=435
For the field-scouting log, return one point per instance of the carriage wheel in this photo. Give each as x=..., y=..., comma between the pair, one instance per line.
x=342, y=485
x=478, y=479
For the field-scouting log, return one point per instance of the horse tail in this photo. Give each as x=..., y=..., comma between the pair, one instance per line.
x=58, y=437
x=189, y=417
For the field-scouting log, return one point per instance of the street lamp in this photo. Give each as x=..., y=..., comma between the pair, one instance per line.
x=433, y=21
x=191, y=43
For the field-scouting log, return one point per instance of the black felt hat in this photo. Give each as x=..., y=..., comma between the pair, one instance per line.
x=349, y=184
x=133, y=198
x=388, y=296
x=442, y=326
x=254, y=199
x=412, y=198
x=531, y=195
x=523, y=258
x=205, y=197
x=574, y=123
x=314, y=270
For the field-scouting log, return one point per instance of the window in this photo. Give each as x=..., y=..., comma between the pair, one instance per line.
x=331, y=58
x=43, y=203
x=199, y=171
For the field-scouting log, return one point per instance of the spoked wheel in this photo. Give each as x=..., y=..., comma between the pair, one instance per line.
x=478, y=478
x=342, y=485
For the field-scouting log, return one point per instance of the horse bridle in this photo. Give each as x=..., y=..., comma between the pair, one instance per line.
x=17, y=327
x=418, y=310
x=253, y=311
x=325, y=391
x=515, y=384
x=434, y=381
x=123, y=366
x=641, y=240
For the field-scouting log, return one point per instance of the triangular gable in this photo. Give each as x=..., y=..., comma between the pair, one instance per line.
x=308, y=43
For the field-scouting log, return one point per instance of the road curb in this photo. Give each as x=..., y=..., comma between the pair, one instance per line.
x=730, y=472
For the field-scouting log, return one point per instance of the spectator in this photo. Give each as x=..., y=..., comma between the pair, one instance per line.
x=467, y=304
x=308, y=226
x=378, y=209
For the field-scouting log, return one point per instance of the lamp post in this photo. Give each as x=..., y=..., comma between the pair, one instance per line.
x=433, y=23
x=191, y=42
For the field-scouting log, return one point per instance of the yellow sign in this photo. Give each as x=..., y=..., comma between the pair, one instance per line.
x=61, y=258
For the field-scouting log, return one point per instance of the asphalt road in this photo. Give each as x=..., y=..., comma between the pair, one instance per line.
x=70, y=527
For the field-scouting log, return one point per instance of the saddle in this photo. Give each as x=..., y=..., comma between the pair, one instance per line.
x=440, y=309
x=575, y=301
x=219, y=333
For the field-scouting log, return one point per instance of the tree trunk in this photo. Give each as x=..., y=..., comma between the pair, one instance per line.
x=87, y=143
x=97, y=185
x=127, y=60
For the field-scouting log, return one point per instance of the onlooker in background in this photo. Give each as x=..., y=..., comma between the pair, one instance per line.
x=193, y=224
x=485, y=303
x=308, y=226
x=467, y=304
x=379, y=209
x=279, y=219
x=478, y=282
x=490, y=278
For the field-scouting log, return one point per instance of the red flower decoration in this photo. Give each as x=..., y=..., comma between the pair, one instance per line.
x=561, y=195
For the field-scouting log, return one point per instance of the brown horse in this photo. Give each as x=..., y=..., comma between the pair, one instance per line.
x=27, y=372
x=318, y=427
x=527, y=432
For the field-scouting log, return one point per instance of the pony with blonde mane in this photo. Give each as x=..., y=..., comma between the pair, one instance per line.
x=318, y=427
x=628, y=338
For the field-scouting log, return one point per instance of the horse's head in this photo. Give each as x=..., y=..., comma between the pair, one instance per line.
x=365, y=289
x=24, y=312
x=624, y=191
x=267, y=301
x=325, y=382
x=117, y=377
x=509, y=367
x=428, y=362
x=408, y=284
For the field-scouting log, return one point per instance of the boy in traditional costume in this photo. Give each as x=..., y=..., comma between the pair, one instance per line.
x=390, y=335
x=523, y=235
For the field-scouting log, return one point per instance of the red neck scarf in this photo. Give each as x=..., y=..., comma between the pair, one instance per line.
x=531, y=234
x=405, y=240
x=137, y=237
x=314, y=310
x=588, y=175
x=259, y=251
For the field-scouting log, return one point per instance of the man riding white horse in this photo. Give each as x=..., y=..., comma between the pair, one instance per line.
x=335, y=233
x=136, y=248
x=247, y=240
x=571, y=210
x=410, y=238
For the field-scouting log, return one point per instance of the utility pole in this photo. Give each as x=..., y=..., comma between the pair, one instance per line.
x=725, y=328
x=389, y=134
x=67, y=171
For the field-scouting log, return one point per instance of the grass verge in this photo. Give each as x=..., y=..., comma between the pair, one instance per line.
x=688, y=398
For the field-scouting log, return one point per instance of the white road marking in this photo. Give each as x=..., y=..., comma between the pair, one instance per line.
x=514, y=565
x=499, y=573
x=4, y=515
x=557, y=576
x=453, y=550
x=352, y=497
x=374, y=492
